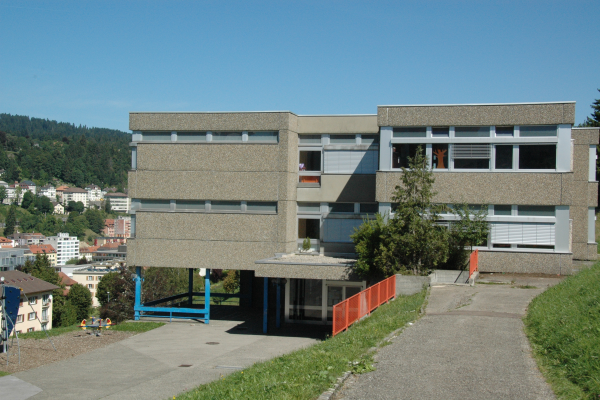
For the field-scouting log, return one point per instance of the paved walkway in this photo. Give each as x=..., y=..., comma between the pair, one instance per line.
x=161, y=363
x=469, y=345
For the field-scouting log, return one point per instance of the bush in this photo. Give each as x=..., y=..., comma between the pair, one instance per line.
x=81, y=298
x=216, y=275
x=231, y=283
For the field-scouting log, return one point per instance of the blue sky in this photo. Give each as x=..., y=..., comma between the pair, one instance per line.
x=91, y=63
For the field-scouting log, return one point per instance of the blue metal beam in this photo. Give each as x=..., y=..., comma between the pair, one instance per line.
x=265, y=303
x=278, y=305
x=207, y=296
x=138, y=292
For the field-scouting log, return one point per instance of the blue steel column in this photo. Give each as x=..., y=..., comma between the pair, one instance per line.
x=138, y=292
x=207, y=296
x=190, y=285
x=278, y=305
x=265, y=303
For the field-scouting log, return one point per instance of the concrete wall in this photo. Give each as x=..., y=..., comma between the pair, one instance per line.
x=211, y=121
x=341, y=188
x=337, y=124
x=476, y=115
x=334, y=272
x=529, y=263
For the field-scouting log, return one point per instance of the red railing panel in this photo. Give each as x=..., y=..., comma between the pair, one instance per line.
x=354, y=308
x=473, y=262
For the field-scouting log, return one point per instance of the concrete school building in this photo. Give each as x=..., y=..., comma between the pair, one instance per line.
x=240, y=190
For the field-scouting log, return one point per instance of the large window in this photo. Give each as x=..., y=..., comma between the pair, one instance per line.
x=537, y=156
x=471, y=131
x=401, y=152
x=504, y=156
x=471, y=156
x=306, y=297
x=538, y=130
x=350, y=162
x=439, y=156
x=310, y=160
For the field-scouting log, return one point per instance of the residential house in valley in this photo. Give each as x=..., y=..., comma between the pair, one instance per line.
x=46, y=249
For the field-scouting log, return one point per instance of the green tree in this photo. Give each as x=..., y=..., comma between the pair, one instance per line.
x=42, y=269
x=11, y=221
x=231, y=283
x=28, y=199
x=411, y=242
x=76, y=206
x=63, y=312
x=469, y=230
x=3, y=194
x=122, y=295
x=95, y=220
x=18, y=191
x=106, y=285
x=81, y=298
x=107, y=206
x=594, y=119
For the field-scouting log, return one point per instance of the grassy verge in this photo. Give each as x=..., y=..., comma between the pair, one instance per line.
x=563, y=326
x=306, y=373
x=2, y=373
x=125, y=327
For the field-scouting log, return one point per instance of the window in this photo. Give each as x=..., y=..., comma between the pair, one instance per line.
x=342, y=139
x=46, y=299
x=156, y=136
x=369, y=208
x=269, y=137
x=31, y=316
x=410, y=132
x=309, y=139
x=309, y=228
x=190, y=205
x=261, y=206
x=45, y=314
x=502, y=210
x=19, y=318
x=31, y=330
x=310, y=161
x=309, y=207
x=90, y=278
x=339, y=230
x=90, y=286
x=369, y=139
x=226, y=206
x=471, y=131
x=537, y=156
x=440, y=131
x=191, y=136
x=350, y=162
x=504, y=156
x=402, y=151
x=345, y=208
x=306, y=297
x=227, y=137
x=536, y=211
x=33, y=300
x=471, y=156
x=505, y=131
x=155, y=204
x=538, y=130
x=440, y=156
x=133, y=157
x=522, y=233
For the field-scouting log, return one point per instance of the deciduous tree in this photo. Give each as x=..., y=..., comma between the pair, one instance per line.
x=81, y=298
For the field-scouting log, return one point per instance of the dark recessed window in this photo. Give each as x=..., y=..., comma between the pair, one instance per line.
x=226, y=206
x=440, y=131
x=310, y=160
x=367, y=208
x=309, y=139
x=190, y=205
x=227, y=136
x=502, y=210
x=537, y=211
x=341, y=207
x=401, y=153
x=505, y=130
x=472, y=163
x=537, y=156
x=538, y=130
x=504, y=156
x=261, y=206
x=416, y=131
x=472, y=131
x=342, y=139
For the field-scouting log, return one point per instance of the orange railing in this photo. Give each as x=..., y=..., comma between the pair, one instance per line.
x=354, y=308
x=473, y=262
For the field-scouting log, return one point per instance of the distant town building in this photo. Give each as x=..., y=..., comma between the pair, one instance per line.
x=60, y=192
x=5, y=242
x=94, y=193
x=119, y=227
x=46, y=249
x=67, y=247
x=35, y=309
x=119, y=202
x=113, y=252
x=90, y=276
x=75, y=194
x=49, y=191
x=28, y=186
x=58, y=208
x=88, y=252
x=13, y=257
x=27, y=239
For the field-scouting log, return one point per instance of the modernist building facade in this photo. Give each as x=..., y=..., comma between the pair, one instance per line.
x=236, y=190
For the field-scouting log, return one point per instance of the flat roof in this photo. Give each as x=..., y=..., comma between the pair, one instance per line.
x=475, y=104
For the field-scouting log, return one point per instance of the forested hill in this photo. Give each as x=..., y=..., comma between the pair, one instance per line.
x=41, y=150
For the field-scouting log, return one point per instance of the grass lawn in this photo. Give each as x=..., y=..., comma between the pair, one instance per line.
x=598, y=230
x=306, y=373
x=125, y=326
x=563, y=326
x=2, y=373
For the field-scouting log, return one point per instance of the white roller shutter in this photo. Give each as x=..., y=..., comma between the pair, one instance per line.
x=523, y=233
x=350, y=162
x=339, y=230
x=471, y=151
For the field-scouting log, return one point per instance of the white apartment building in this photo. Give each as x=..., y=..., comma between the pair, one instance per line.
x=119, y=202
x=94, y=193
x=75, y=194
x=67, y=247
x=49, y=191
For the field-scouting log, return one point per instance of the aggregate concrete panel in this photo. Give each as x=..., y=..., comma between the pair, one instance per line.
x=334, y=272
x=592, y=251
x=477, y=115
x=210, y=157
x=592, y=200
x=483, y=188
x=527, y=263
x=581, y=156
x=287, y=184
x=287, y=230
x=209, y=185
x=586, y=135
x=579, y=215
x=199, y=253
x=288, y=154
x=207, y=226
x=316, y=124
x=579, y=193
x=207, y=121
x=341, y=188
x=580, y=251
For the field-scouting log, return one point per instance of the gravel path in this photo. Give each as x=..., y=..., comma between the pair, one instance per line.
x=38, y=352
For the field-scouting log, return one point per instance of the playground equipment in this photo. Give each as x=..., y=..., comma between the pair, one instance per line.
x=97, y=325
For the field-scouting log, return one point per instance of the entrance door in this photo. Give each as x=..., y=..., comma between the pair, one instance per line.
x=340, y=291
